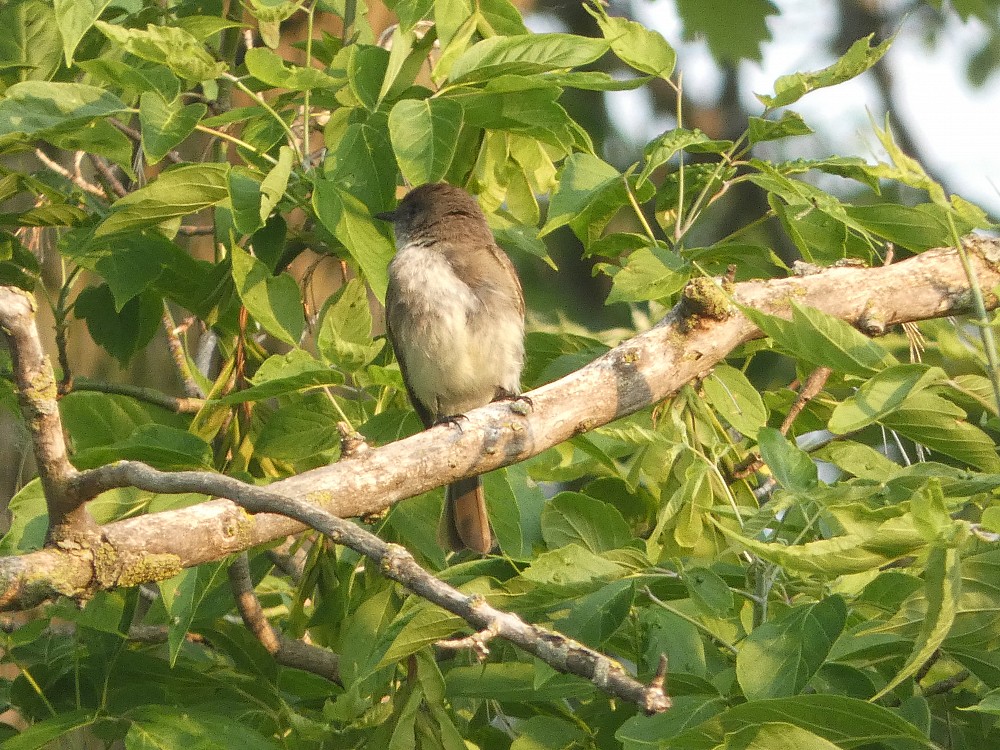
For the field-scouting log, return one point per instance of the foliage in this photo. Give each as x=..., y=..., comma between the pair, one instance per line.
x=824, y=600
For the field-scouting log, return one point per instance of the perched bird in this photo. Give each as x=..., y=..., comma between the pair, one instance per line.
x=455, y=317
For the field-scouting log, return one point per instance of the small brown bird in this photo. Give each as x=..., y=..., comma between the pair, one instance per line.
x=455, y=317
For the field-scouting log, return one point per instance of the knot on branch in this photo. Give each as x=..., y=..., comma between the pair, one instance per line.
x=704, y=298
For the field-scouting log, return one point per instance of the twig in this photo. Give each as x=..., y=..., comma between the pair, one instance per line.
x=475, y=642
x=195, y=231
x=109, y=177
x=813, y=385
x=289, y=558
x=287, y=651
x=176, y=404
x=191, y=387
x=135, y=135
x=948, y=684
x=76, y=179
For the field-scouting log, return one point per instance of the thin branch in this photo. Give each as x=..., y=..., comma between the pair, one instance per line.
x=287, y=651
x=136, y=136
x=810, y=389
x=176, y=404
x=76, y=179
x=177, y=353
x=113, y=183
x=948, y=684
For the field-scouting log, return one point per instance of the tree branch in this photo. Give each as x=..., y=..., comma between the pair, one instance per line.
x=698, y=333
x=285, y=650
x=69, y=521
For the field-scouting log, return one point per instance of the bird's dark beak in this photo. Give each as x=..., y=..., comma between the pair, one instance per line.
x=386, y=215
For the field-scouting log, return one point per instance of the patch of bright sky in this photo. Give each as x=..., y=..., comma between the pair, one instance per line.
x=954, y=125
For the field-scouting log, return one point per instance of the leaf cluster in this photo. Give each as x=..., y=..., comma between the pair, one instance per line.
x=815, y=601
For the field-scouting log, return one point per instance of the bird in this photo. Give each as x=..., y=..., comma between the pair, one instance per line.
x=455, y=319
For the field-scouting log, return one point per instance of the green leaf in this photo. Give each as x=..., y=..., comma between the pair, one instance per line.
x=860, y=460
x=572, y=518
x=789, y=124
x=344, y=337
x=157, y=727
x=706, y=589
x=130, y=264
x=859, y=58
x=647, y=732
x=350, y=222
x=177, y=192
x=777, y=735
x=300, y=430
x=938, y=424
x=879, y=396
x=596, y=617
x=135, y=78
x=408, y=55
x=167, y=448
x=943, y=586
x=29, y=520
x=587, y=184
x=366, y=68
x=792, y=468
x=515, y=682
x=650, y=273
x=780, y=657
x=547, y=733
x=167, y=45
x=34, y=107
x=728, y=40
x=571, y=566
x=525, y=55
x=18, y=265
x=663, y=148
x=289, y=373
x=424, y=135
x=182, y=596
x=165, y=124
x=527, y=106
x=43, y=733
x=736, y=399
x=644, y=49
x=849, y=167
x=361, y=161
x=915, y=227
x=123, y=333
x=272, y=187
x=245, y=197
x=273, y=301
x=267, y=66
x=75, y=17
x=515, y=506
x=871, y=545
x=30, y=47
x=823, y=340
x=270, y=14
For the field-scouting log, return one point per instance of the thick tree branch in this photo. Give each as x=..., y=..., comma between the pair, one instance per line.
x=69, y=520
x=698, y=333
